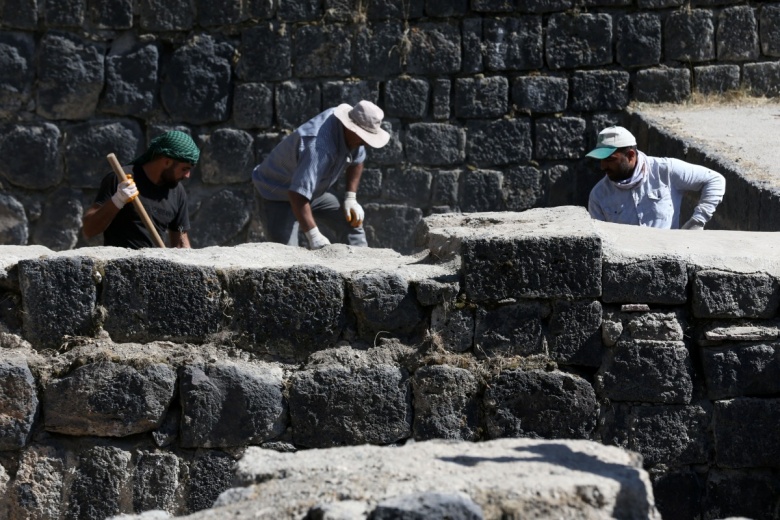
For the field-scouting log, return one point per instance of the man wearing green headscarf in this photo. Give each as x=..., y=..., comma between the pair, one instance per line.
x=155, y=179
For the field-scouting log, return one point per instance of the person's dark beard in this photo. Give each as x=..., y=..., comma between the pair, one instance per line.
x=168, y=178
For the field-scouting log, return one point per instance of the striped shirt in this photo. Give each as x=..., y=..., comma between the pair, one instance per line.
x=308, y=161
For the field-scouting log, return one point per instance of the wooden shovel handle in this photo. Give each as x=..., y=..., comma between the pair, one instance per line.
x=112, y=160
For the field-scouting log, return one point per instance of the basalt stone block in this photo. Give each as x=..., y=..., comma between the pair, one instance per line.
x=446, y=403
x=393, y=152
x=291, y=311
x=221, y=217
x=645, y=281
x=578, y=40
x=111, y=14
x=131, y=81
x=155, y=481
x=300, y=11
x=513, y=43
x=662, y=85
x=444, y=190
x=370, y=184
x=338, y=406
x=749, y=369
x=389, y=225
x=544, y=6
x=481, y=97
x=539, y=404
x=482, y=191
x=639, y=40
x=654, y=326
x=227, y=157
x=18, y=403
x=213, y=14
x=575, y=333
x=210, y=418
x=64, y=13
x=210, y=473
x=768, y=25
x=59, y=297
x=17, y=70
x=166, y=15
x=296, y=103
x=509, y=330
x=665, y=369
x=540, y=94
x=737, y=34
x=341, y=10
x=689, y=35
x=455, y=328
x=14, y=227
x=37, y=490
x=720, y=294
x=658, y=4
x=98, y=483
x=377, y=50
x=745, y=430
x=740, y=494
x=384, y=301
x=560, y=138
x=265, y=143
x=672, y=435
x=10, y=312
x=522, y=188
x=108, y=399
x=20, y=14
x=132, y=297
x=335, y=93
x=435, y=49
x=428, y=505
x=256, y=63
x=322, y=51
x=499, y=142
x=493, y=5
x=437, y=291
x=253, y=105
x=678, y=493
x=599, y=90
x=434, y=144
x=70, y=76
x=59, y=225
x=407, y=97
x=411, y=186
x=446, y=8
x=532, y=267
x=384, y=9
x=762, y=79
x=471, y=40
x=197, y=83
x=716, y=79
x=87, y=144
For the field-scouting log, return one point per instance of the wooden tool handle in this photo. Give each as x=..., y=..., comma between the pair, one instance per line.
x=139, y=207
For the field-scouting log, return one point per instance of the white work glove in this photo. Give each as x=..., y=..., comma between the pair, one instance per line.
x=316, y=239
x=125, y=192
x=693, y=224
x=352, y=210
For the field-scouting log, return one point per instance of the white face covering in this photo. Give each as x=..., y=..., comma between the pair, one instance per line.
x=640, y=171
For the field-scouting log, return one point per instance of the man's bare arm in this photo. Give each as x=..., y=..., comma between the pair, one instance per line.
x=301, y=208
x=179, y=239
x=97, y=218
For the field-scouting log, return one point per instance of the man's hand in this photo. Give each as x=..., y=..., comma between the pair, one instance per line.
x=316, y=239
x=125, y=192
x=693, y=224
x=352, y=210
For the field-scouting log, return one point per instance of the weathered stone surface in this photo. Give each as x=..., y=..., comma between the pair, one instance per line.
x=166, y=15
x=599, y=90
x=14, y=228
x=672, y=435
x=509, y=330
x=742, y=370
x=678, y=493
x=544, y=6
x=435, y=49
x=439, y=291
x=156, y=481
x=227, y=157
x=322, y=51
x=662, y=280
x=256, y=63
x=70, y=76
x=384, y=301
x=455, y=328
x=740, y=494
x=689, y=35
x=196, y=84
x=409, y=186
x=134, y=301
x=535, y=403
x=665, y=369
x=662, y=85
x=220, y=218
x=737, y=34
x=377, y=50
x=32, y=155
x=390, y=154
x=434, y=144
x=446, y=403
x=305, y=10
x=112, y=14
x=87, y=144
x=336, y=405
x=482, y=191
x=560, y=138
x=720, y=294
x=211, y=473
x=768, y=22
x=335, y=93
x=578, y=40
x=407, y=97
x=441, y=99
x=60, y=224
x=253, y=105
x=744, y=431
x=540, y=94
x=513, y=43
x=109, y=399
x=20, y=14
x=209, y=394
x=37, y=489
x=100, y=477
x=471, y=42
x=18, y=402
x=499, y=142
x=59, y=297
x=575, y=333
x=16, y=70
x=428, y=505
x=444, y=190
x=212, y=14
x=716, y=79
x=389, y=225
x=131, y=79
x=639, y=40
x=446, y=8
x=64, y=13
x=654, y=327
x=714, y=333
x=522, y=188
x=383, y=9
x=296, y=102
x=762, y=79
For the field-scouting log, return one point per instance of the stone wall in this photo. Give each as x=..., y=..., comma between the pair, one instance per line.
x=133, y=380
x=492, y=103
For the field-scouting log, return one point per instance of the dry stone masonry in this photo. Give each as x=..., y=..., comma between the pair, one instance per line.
x=139, y=381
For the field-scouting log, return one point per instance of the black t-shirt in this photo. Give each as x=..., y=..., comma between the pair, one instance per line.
x=166, y=207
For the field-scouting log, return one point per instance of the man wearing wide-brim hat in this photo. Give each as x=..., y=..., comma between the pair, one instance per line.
x=295, y=181
x=648, y=191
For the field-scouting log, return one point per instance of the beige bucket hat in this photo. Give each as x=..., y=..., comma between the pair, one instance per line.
x=365, y=120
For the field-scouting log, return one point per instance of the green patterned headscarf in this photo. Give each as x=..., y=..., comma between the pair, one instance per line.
x=174, y=144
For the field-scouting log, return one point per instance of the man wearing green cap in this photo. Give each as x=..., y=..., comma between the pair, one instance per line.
x=155, y=179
